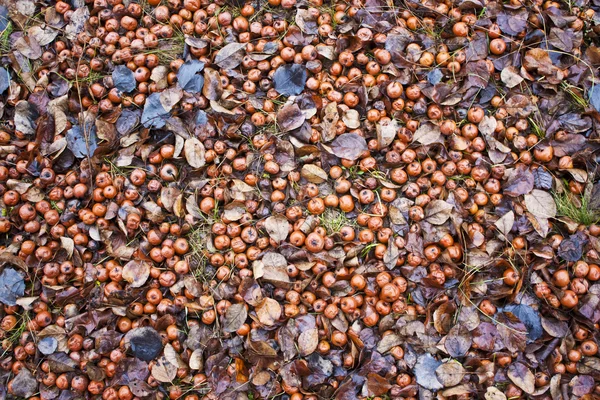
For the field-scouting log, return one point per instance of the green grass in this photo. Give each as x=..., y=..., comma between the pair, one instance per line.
x=576, y=94
x=333, y=220
x=576, y=208
x=14, y=334
x=536, y=129
x=4, y=36
x=169, y=49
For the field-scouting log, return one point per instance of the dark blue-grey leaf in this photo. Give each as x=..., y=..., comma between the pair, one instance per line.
x=594, y=96
x=82, y=144
x=529, y=317
x=58, y=86
x=571, y=249
x=201, y=118
x=47, y=345
x=542, y=179
x=4, y=80
x=435, y=76
x=270, y=48
x=145, y=342
x=424, y=371
x=127, y=121
x=289, y=79
x=123, y=79
x=12, y=286
x=154, y=115
x=3, y=18
x=188, y=77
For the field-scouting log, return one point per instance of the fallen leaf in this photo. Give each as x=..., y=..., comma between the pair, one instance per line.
x=235, y=316
x=313, y=173
x=522, y=376
x=289, y=79
x=541, y=204
x=194, y=152
x=136, y=272
x=163, y=370
x=349, y=146
x=450, y=373
x=268, y=312
x=505, y=223
x=427, y=134
x=277, y=227
x=308, y=341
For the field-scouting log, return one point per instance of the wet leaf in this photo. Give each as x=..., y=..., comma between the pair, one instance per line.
x=213, y=87
x=289, y=79
x=593, y=95
x=513, y=23
x=68, y=244
x=554, y=327
x=571, y=249
x=542, y=179
x=512, y=332
x=438, y=212
x=391, y=255
x=329, y=121
x=196, y=360
x=349, y=146
x=123, y=79
x=522, y=376
x=562, y=40
x=582, y=385
x=235, y=317
x=377, y=385
x=25, y=117
x=351, y=119
x=458, y=341
x=61, y=363
x=145, y=343
x=154, y=114
x=272, y=268
x=589, y=305
x=12, y=286
x=47, y=345
x=77, y=22
x=82, y=144
x=520, y=181
x=170, y=97
x=388, y=342
x=230, y=56
x=424, y=371
x=189, y=79
x=136, y=272
x=529, y=317
x=290, y=117
x=4, y=80
x=305, y=22
x=24, y=384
